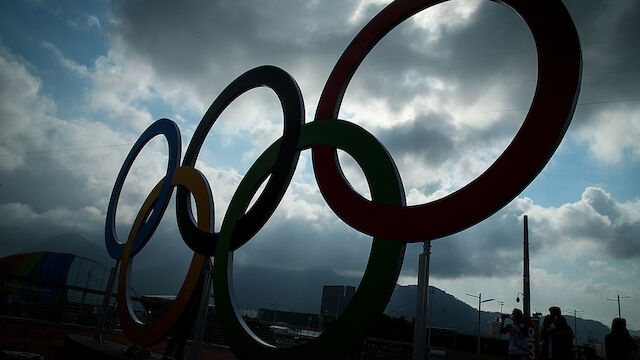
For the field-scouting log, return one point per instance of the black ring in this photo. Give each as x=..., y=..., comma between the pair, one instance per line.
x=252, y=221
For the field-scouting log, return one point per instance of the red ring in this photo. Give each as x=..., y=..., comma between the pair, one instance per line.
x=559, y=75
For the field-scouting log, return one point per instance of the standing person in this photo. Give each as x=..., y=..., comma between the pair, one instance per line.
x=562, y=339
x=548, y=330
x=545, y=336
x=618, y=344
x=557, y=336
x=518, y=346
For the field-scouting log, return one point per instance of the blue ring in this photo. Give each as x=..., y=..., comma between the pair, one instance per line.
x=171, y=132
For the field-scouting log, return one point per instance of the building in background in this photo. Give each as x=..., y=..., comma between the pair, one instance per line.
x=51, y=286
x=335, y=299
x=493, y=328
x=296, y=319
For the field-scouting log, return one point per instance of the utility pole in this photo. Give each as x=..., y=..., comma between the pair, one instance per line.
x=575, y=329
x=619, y=297
x=526, y=296
x=421, y=302
x=431, y=301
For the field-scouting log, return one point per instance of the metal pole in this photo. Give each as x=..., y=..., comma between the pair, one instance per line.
x=479, y=304
x=202, y=312
x=421, y=302
x=105, y=302
x=526, y=296
x=430, y=323
x=618, y=300
x=575, y=328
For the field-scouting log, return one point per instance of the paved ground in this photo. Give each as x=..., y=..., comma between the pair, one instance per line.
x=48, y=339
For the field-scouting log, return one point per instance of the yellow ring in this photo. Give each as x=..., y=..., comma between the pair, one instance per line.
x=134, y=329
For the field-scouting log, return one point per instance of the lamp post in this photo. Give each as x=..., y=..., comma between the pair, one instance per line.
x=619, y=297
x=432, y=291
x=480, y=301
x=575, y=329
x=526, y=296
x=501, y=303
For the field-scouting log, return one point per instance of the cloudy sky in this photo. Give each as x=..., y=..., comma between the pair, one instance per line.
x=445, y=92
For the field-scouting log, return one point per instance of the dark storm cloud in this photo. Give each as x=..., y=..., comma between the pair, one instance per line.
x=607, y=32
x=430, y=138
x=297, y=244
x=492, y=248
x=475, y=53
x=206, y=44
x=435, y=140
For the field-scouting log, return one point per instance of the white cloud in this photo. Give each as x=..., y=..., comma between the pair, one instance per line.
x=72, y=163
x=66, y=62
x=613, y=133
x=445, y=17
x=597, y=219
x=21, y=104
x=23, y=215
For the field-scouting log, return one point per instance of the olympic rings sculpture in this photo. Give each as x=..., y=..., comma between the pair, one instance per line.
x=386, y=217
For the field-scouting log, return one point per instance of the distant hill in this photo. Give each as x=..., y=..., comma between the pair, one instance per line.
x=301, y=290
x=449, y=312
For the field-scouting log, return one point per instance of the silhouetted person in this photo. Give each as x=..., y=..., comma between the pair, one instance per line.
x=618, y=343
x=518, y=346
x=180, y=330
x=557, y=336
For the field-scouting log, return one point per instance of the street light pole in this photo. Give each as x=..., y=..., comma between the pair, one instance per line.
x=430, y=322
x=526, y=297
x=480, y=301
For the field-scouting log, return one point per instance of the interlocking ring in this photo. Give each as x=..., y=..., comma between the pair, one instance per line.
x=386, y=217
x=380, y=276
x=554, y=100
x=171, y=132
x=137, y=331
x=288, y=92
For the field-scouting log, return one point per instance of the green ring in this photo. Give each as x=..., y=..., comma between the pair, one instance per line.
x=383, y=268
